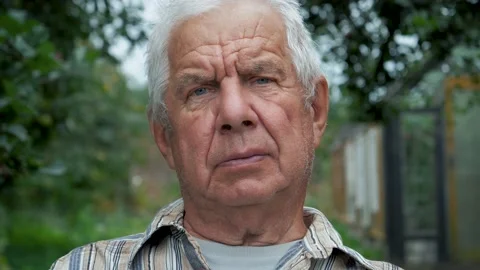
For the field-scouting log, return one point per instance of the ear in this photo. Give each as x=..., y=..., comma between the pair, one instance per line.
x=320, y=109
x=162, y=140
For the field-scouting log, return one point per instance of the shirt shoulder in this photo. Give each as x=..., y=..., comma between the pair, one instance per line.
x=108, y=254
x=119, y=253
x=325, y=245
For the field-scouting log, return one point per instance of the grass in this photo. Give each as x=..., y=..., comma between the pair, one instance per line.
x=34, y=243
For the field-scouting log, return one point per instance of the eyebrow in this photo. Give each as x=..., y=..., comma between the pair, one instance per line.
x=263, y=67
x=187, y=79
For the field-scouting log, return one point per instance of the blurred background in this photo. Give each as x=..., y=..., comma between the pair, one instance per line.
x=398, y=172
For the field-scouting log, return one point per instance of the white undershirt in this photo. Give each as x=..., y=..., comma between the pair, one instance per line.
x=220, y=256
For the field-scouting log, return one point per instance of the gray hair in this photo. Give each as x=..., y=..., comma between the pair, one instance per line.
x=166, y=14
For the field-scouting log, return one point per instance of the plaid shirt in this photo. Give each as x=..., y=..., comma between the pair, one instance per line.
x=166, y=245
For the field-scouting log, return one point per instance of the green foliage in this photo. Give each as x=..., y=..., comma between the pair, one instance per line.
x=68, y=123
x=41, y=69
x=66, y=22
x=37, y=242
x=28, y=68
x=419, y=171
x=385, y=47
x=368, y=250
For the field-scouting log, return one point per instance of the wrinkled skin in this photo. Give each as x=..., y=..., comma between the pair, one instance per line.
x=242, y=141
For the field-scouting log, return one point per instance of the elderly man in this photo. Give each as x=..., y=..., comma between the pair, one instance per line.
x=237, y=106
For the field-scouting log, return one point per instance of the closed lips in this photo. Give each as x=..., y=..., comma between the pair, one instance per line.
x=243, y=158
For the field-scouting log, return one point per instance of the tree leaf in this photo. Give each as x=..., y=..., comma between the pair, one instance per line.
x=23, y=47
x=18, y=131
x=5, y=144
x=10, y=88
x=4, y=102
x=55, y=169
x=46, y=48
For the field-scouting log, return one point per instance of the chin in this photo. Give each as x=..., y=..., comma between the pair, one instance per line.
x=247, y=196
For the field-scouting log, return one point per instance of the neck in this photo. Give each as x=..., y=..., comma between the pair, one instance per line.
x=276, y=222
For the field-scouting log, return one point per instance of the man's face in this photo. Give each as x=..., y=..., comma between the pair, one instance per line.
x=241, y=133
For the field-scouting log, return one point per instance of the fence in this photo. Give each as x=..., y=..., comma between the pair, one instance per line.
x=414, y=183
x=358, y=179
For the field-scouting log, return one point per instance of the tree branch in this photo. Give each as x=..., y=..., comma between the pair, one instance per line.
x=413, y=77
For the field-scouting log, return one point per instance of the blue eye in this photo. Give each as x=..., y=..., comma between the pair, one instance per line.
x=200, y=91
x=263, y=81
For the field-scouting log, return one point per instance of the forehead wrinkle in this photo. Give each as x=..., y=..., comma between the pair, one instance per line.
x=234, y=40
x=196, y=50
x=257, y=26
x=220, y=45
x=253, y=51
x=220, y=50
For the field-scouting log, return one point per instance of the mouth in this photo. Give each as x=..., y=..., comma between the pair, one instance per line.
x=240, y=159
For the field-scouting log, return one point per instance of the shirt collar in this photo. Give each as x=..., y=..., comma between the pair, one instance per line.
x=169, y=216
x=320, y=239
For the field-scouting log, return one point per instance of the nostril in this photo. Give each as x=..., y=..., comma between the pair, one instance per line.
x=247, y=123
x=226, y=127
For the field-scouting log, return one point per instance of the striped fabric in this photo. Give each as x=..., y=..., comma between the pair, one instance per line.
x=166, y=245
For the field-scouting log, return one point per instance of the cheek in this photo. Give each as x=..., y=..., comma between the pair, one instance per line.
x=191, y=151
x=288, y=124
x=284, y=119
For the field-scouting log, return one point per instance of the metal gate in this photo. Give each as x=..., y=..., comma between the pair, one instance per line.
x=415, y=187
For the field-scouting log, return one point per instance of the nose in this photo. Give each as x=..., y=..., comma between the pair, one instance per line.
x=235, y=112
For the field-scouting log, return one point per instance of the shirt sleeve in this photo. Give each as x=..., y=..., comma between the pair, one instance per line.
x=61, y=264
x=74, y=260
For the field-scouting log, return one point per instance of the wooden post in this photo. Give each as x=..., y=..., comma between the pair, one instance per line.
x=450, y=84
